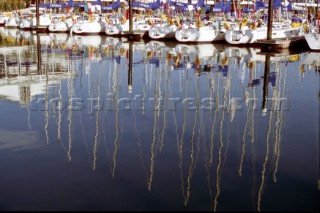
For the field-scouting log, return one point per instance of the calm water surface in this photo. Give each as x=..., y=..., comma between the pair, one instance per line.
x=98, y=123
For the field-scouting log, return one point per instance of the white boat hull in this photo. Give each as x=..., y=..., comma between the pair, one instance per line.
x=12, y=22
x=31, y=23
x=3, y=20
x=162, y=31
x=60, y=26
x=248, y=36
x=89, y=40
x=245, y=36
x=203, y=34
x=88, y=28
x=121, y=29
x=313, y=40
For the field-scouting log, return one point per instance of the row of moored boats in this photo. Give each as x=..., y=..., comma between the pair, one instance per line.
x=189, y=27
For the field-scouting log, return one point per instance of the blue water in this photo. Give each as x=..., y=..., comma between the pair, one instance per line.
x=190, y=135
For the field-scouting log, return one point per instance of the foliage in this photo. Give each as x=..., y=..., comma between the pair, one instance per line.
x=11, y=5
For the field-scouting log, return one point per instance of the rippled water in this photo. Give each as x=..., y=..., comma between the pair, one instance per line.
x=100, y=123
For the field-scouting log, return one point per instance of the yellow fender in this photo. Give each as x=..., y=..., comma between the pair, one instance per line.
x=199, y=24
x=107, y=19
x=176, y=60
x=168, y=56
x=302, y=68
x=123, y=50
x=149, y=54
x=295, y=24
x=251, y=64
x=107, y=50
x=244, y=22
x=305, y=27
x=224, y=61
x=197, y=61
x=226, y=26
x=122, y=20
x=91, y=19
x=293, y=58
x=168, y=20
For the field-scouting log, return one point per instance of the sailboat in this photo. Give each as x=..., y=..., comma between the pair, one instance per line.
x=313, y=36
x=4, y=18
x=164, y=30
x=251, y=31
x=313, y=39
x=13, y=21
x=88, y=24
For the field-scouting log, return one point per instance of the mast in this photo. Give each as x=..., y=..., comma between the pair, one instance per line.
x=116, y=82
x=234, y=8
x=317, y=15
x=265, y=84
x=180, y=143
x=37, y=13
x=130, y=16
x=96, y=137
x=157, y=108
x=130, y=69
x=193, y=156
x=166, y=75
x=270, y=17
x=280, y=120
x=219, y=169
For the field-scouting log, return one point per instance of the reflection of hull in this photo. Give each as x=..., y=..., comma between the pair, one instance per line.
x=248, y=54
x=115, y=46
x=201, y=50
x=12, y=92
x=236, y=52
x=155, y=46
x=59, y=38
x=313, y=40
x=93, y=40
x=255, y=54
x=26, y=35
x=200, y=56
x=203, y=34
x=44, y=39
x=4, y=31
x=23, y=88
x=14, y=33
x=113, y=41
x=312, y=59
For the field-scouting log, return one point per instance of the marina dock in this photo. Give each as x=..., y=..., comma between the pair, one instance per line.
x=279, y=44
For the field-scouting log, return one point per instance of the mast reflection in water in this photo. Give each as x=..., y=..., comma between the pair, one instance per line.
x=99, y=123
